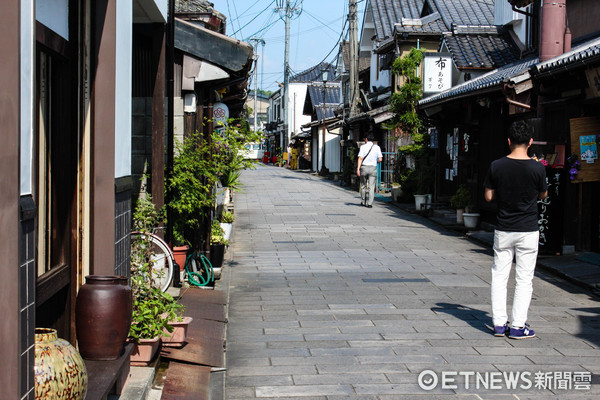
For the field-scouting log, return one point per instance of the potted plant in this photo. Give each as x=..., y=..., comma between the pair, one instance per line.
x=460, y=201
x=227, y=219
x=152, y=308
x=217, y=245
x=413, y=157
x=175, y=330
x=196, y=169
x=471, y=220
x=396, y=190
x=147, y=324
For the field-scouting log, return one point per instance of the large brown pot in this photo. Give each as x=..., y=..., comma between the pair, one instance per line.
x=103, y=316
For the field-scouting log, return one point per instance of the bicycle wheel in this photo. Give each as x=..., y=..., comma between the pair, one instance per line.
x=161, y=256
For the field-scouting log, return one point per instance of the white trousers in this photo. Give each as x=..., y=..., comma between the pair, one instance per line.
x=368, y=173
x=524, y=247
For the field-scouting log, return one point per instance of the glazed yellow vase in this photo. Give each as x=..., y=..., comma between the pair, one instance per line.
x=60, y=372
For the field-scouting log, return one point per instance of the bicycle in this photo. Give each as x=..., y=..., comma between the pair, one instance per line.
x=162, y=258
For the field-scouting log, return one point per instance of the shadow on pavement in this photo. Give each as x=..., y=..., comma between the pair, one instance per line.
x=589, y=325
x=474, y=317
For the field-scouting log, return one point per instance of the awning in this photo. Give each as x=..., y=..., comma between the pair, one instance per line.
x=227, y=53
x=378, y=115
x=195, y=70
x=302, y=135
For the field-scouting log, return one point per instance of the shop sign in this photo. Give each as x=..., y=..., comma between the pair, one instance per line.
x=437, y=72
x=220, y=114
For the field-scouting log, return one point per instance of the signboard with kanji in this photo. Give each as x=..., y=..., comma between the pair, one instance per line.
x=437, y=72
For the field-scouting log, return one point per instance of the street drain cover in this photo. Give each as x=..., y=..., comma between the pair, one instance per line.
x=395, y=280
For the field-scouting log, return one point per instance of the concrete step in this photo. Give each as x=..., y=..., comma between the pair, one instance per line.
x=138, y=385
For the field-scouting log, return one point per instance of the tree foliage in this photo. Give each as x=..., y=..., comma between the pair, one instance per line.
x=403, y=104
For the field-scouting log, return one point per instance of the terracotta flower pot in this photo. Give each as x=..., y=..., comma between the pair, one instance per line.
x=103, y=315
x=179, y=334
x=144, y=351
x=180, y=254
x=60, y=372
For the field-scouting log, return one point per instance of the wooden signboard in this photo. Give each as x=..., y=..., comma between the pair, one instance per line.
x=584, y=137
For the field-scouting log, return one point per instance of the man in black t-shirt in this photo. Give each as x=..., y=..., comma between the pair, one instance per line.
x=516, y=182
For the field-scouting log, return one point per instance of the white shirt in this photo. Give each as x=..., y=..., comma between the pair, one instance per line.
x=372, y=156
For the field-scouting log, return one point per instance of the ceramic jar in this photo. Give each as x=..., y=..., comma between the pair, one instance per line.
x=60, y=372
x=103, y=316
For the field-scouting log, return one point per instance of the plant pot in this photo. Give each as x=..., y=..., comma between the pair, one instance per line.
x=459, y=215
x=420, y=199
x=179, y=334
x=222, y=195
x=217, y=255
x=227, y=227
x=103, y=316
x=143, y=353
x=180, y=254
x=471, y=220
x=59, y=370
x=396, y=193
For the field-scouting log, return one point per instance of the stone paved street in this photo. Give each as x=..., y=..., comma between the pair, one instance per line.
x=330, y=300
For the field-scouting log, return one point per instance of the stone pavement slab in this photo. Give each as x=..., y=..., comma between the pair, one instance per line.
x=329, y=300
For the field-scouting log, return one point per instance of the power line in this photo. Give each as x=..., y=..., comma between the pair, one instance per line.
x=324, y=23
x=248, y=23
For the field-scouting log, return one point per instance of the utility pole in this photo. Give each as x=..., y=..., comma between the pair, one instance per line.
x=324, y=171
x=353, y=59
x=256, y=42
x=287, y=12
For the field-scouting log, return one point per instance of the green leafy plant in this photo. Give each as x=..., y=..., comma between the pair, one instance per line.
x=462, y=198
x=231, y=178
x=217, y=234
x=403, y=104
x=227, y=217
x=230, y=151
x=150, y=304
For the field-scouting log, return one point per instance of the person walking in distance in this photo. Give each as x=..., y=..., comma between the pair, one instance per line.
x=516, y=182
x=368, y=157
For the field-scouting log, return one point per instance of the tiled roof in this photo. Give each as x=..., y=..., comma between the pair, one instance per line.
x=332, y=94
x=582, y=52
x=314, y=73
x=363, y=62
x=409, y=16
x=491, y=79
x=466, y=12
x=332, y=99
x=193, y=6
x=386, y=13
x=329, y=111
x=481, y=47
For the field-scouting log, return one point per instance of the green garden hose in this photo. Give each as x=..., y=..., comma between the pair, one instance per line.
x=205, y=276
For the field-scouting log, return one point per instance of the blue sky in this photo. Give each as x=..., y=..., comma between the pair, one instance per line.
x=313, y=34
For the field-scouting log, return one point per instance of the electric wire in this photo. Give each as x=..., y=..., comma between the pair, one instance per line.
x=257, y=15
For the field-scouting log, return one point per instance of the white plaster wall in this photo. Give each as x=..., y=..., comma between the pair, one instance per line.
x=332, y=152
x=54, y=14
x=297, y=98
x=384, y=78
x=123, y=100
x=27, y=91
x=503, y=14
